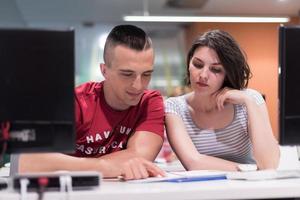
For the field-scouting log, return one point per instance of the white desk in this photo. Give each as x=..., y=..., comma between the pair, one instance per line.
x=220, y=189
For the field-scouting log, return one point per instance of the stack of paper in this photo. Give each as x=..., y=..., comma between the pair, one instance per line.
x=264, y=175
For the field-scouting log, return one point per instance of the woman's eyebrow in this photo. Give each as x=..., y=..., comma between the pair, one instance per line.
x=198, y=59
x=215, y=63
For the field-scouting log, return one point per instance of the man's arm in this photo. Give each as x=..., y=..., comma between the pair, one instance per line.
x=132, y=163
x=136, y=160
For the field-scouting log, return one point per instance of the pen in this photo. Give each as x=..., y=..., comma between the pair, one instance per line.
x=196, y=178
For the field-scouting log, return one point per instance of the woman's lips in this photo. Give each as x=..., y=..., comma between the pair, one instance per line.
x=202, y=84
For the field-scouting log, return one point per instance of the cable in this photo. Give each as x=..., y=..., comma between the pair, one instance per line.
x=24, y=183
x=42, y=183
x=5, y=126
x=69, y=183
x=62, y=184
x=65, y=186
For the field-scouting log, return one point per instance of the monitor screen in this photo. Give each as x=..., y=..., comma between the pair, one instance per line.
x=37, y=89
x=289, y=91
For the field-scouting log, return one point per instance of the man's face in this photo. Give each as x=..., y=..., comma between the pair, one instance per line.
x=127, y=76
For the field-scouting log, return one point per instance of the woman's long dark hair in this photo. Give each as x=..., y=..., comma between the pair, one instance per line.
x=230, y=54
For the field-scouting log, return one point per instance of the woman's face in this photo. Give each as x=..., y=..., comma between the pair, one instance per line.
x=206, y=71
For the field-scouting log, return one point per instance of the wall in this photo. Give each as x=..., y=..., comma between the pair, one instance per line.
x=260, y=42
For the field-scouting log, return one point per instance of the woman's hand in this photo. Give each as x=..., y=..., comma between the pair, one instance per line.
x=233, y=96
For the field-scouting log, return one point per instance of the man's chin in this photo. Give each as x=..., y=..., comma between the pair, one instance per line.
x=134, y=102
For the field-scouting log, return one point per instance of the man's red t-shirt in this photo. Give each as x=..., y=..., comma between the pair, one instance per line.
x=102, y=130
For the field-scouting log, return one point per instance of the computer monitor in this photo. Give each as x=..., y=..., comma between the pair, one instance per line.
x=289, y=89
x=37, y=90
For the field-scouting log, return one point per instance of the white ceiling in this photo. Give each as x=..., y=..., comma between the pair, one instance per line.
x=106, y=13
x=26, y=12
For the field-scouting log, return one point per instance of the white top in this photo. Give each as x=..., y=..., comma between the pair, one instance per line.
x=231, y=142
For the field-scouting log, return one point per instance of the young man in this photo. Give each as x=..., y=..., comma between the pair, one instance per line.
x=119, y=124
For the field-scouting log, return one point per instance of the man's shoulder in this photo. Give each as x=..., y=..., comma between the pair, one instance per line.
x=150, y=95
x=88, y=88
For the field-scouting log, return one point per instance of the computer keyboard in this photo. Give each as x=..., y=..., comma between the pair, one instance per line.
x=264, y=175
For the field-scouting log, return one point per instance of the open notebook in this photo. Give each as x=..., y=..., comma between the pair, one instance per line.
x=207, y=175
x=185, y=176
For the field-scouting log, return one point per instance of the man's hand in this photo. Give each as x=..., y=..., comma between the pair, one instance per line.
x=131, y=163
x=139, y=168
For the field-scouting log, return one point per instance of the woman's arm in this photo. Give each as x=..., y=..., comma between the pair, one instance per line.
x=187, y=152
x=265, y=147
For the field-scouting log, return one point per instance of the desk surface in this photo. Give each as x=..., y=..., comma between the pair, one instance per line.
x=220, y=189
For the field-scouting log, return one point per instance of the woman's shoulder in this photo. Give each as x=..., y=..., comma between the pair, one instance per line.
x=176, y=104
x=177, y=100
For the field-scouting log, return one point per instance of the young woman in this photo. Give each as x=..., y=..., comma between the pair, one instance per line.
x=220, y=124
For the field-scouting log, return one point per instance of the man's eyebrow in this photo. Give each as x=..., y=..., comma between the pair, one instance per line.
x=125, y=70
x=128, y=70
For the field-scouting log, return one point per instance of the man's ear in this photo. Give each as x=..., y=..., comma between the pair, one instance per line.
x=103, y=69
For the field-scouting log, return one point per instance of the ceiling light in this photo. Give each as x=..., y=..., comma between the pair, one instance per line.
x=146, y=18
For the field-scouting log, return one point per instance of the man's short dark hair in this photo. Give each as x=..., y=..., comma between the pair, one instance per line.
x=129, y=36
